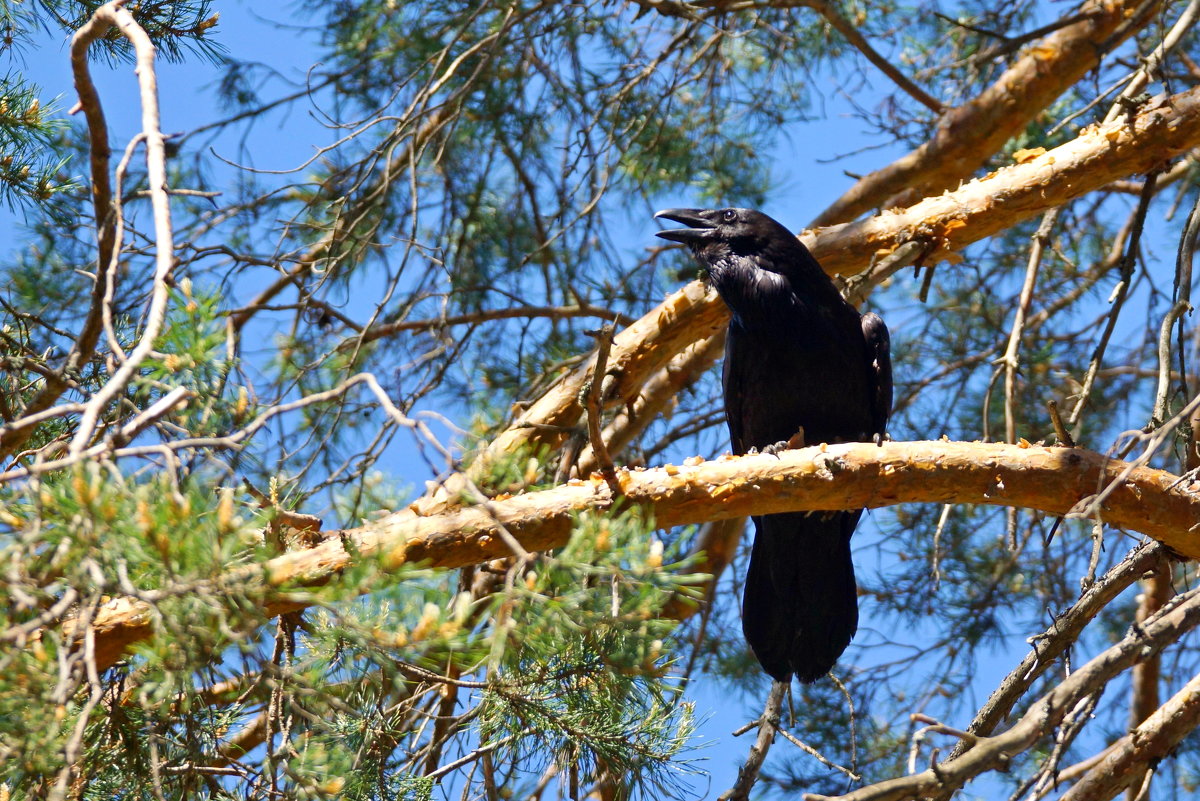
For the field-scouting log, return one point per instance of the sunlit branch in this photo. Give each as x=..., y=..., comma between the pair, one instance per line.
x=1058, y=481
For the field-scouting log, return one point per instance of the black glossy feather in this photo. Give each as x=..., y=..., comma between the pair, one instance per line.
x=798, y=358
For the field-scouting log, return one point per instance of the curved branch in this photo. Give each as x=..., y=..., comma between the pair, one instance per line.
x=13, y=436
x=1054, y=480
x=164, y=247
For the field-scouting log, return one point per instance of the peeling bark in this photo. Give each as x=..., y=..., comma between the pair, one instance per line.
x=967, y=136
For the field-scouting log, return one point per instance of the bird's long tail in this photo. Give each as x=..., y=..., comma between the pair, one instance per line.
x=800, y=607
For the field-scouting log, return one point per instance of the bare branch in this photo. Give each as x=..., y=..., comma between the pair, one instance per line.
x=852, y=35
x=768, y=724
x=1061, y=634
x=657, y=396
x=1044, y=714
x=113, y=14
x=1142, y=748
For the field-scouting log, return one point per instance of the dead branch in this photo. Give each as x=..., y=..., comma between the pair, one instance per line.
x=1044, y=714
x=768, y=724
x=637, y=352
x=1137, y=752
x=1060, y=635
x=594, y=403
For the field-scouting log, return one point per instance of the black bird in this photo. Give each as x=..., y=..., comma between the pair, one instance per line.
x=801, y=367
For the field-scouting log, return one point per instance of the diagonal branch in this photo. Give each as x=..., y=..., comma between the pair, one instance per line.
x=1047, y=712
x=850, y=33
x=945, y=224
x=1126, y=762
x=1059, y=637
x=967, y=136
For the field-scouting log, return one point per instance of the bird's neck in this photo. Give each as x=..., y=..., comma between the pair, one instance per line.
x=759, y=297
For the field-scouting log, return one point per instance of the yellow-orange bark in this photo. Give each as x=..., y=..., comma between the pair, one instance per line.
x=1053, y=480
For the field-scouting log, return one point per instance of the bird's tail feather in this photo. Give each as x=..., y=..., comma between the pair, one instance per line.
x=800, y=607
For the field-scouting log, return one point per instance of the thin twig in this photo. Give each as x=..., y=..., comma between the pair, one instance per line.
x=933, y=727
x=1119, y=293
x=595, y=402
x=817, y=755
x=768, y=724
x=1011, y=357
x=1164, y=360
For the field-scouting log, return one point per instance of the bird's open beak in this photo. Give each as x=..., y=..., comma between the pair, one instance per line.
x=701, y=228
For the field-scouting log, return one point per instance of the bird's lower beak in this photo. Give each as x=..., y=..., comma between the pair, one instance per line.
x=700, y=228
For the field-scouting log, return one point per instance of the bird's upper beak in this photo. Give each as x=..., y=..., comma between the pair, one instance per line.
x=701, y=226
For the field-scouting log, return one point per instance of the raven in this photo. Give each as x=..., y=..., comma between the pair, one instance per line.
x=801, y=367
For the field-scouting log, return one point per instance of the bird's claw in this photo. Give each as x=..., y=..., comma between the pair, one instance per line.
x=794, y=442
x=1190, y=477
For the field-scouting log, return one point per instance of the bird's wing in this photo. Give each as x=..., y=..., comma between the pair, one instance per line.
x=731, y=383
x=879, y=371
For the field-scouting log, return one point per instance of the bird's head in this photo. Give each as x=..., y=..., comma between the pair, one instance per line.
x=716, y=234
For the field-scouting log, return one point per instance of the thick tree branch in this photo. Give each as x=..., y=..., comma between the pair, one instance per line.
x=951, y=221
x=1054, y=480
x=969, y=135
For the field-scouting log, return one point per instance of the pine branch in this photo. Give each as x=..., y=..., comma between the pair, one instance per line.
x=1058, y=481
x=1047, y=712
x=967, y=136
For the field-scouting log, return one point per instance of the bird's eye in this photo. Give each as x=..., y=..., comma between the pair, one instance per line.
x=730, y=215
